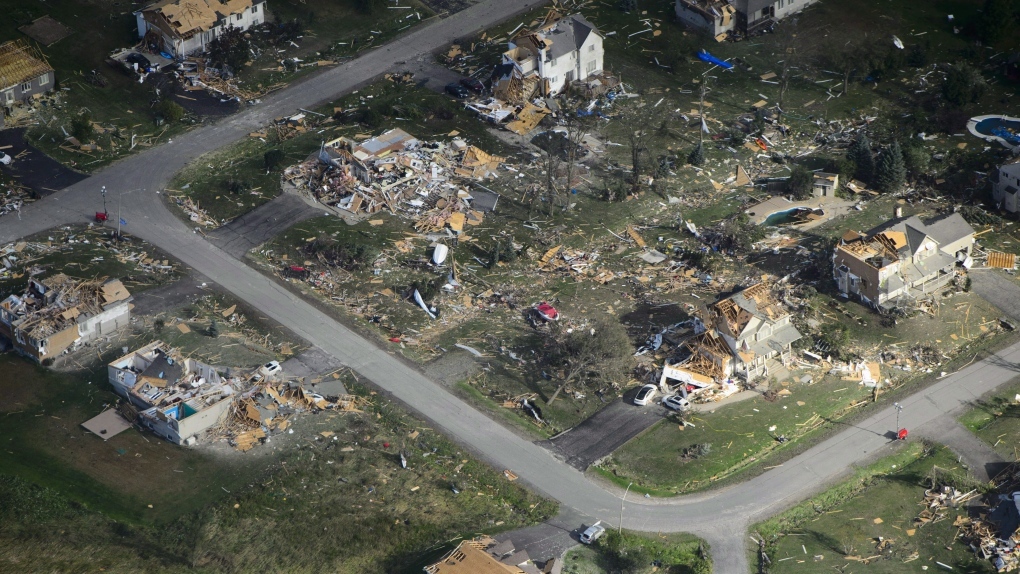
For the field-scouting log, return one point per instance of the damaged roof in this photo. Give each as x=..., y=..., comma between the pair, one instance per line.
x=944, y=231
x=19, y=63
x=187, y=17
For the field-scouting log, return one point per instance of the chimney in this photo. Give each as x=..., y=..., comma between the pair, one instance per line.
x=898, y=212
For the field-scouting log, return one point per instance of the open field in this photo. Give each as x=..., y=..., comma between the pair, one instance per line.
x=878, y=505
x=639, y=554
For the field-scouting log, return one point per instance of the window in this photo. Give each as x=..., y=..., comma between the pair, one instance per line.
x=591, y=48
x=8, y=97
x=26, y=87
x=552, y=62
x=590, y=67
x=254, y=8
x=44, y=79
x=238, y=17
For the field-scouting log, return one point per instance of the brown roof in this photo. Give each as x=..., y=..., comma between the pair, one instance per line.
x=470, y=558
x=187, y=17
x=20, y=62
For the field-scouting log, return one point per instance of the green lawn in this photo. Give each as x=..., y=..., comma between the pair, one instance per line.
x=73, y=503
x=845, y=524
x=996, y=419
x=86, y=253
x=638, y=553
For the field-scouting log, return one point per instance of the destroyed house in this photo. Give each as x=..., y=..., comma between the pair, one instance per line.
x=396, y=171
x=750, y=328
x=544, y=61
x=901, y=261
x=719, y=17
x=1006, y=186
x=484, y=556
x=184, y=27
x=712, y=16
x=24, y=72
x=362, y=156
x=59, y=312
x=178, y=398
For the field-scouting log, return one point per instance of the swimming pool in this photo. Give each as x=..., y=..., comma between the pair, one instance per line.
x=1003, y=129
x=784, y=217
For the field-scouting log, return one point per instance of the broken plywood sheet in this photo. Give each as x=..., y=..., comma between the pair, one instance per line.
x=1001, y=260
x=634, y=235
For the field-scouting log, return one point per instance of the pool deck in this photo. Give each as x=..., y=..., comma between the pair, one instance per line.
x=832, y=206
x=972, y=128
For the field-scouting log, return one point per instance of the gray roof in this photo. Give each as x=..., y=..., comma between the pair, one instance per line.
x=949, y=229
x=915, y=238
x=569, y=34
x=944, y=231
x=755, y=5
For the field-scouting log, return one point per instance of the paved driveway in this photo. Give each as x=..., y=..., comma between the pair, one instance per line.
x=604, y=432
x=998, y=288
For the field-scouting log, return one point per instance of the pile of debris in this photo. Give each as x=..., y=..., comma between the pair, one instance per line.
x=269, y=406
x=397, y=172
x=994, y=535
x=938, y=501
x=13, y=197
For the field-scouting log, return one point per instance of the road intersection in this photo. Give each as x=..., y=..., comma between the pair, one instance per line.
x=720, y=516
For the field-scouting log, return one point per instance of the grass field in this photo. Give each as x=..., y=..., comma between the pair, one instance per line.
x=846, y=523
x=138, y=504
x=86, y=253
x=637, y=553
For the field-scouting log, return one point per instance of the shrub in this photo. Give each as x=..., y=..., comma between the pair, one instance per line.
x=81, y=127
x=801, y=181
x=171, y=111
x=963, y=84
x=697, y=156
x=272, y=159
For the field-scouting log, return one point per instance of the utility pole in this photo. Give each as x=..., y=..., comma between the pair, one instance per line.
x=701, y=110
x=620, y=528
x=899, y=409
x=103, y=191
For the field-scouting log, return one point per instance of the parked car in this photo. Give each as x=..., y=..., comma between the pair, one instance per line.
x=593, y=533
x=271, y=368
x=473, y=85
x=645, y=395
x=676, y=402
x=456, y=90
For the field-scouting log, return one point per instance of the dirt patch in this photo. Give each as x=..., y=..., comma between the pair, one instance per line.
x=46, y=31
x=452, y=368
x=43, y=174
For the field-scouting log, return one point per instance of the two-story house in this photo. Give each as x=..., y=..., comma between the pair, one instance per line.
x=1006, y=185
x=24, y=72
x=717, y=17
x=544, y=61
x=755, y=328
x=58, y=312
x=903, y=259
x=184, y=27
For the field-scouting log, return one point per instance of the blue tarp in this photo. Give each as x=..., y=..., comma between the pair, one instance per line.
x=706, y=57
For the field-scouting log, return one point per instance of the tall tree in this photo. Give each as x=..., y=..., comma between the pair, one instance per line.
x=697, y=155
x=892, y=172
x=998, y=18
x=845, y=60
x=597, y=354
x=859, y=152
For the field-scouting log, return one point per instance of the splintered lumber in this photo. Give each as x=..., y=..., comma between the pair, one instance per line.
x=634, y=235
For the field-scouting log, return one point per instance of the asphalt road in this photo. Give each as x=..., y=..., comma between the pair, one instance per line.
x=719, y=516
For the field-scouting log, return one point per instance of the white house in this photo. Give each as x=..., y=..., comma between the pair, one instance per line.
x=183, y=27
x=721, y=16
x=179, y=398
x=546, y=60
x=1006, y=185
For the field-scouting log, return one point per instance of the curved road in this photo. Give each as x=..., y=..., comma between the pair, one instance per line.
x=720, y=516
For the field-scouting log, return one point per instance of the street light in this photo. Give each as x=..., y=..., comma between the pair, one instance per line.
x=103, y=191
x=620, y=529
x=899, y=409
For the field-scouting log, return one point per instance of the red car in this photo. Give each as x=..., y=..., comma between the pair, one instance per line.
x=547, y=311
x=473, y=85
